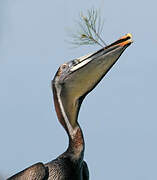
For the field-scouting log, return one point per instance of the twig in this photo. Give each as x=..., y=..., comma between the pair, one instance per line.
x=89, y=29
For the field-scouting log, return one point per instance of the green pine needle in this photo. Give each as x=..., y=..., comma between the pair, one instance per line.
x=89, y=29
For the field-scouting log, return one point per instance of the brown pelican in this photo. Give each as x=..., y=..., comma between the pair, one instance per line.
x=72, y=82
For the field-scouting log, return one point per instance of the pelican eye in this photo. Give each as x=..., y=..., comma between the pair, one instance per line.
x=64, y=66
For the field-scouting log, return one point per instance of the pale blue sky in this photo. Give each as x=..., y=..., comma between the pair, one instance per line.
x=118, y=118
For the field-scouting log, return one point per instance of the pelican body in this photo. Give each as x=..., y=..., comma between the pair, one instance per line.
x=72, y=82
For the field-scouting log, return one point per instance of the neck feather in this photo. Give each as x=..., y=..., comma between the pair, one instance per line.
x=76, y=140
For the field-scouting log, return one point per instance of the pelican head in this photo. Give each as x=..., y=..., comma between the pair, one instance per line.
x=76, y=78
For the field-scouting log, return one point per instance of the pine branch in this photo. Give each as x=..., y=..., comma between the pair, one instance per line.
x=89, y=29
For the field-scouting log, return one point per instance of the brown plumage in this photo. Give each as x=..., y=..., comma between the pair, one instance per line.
x=72, y=82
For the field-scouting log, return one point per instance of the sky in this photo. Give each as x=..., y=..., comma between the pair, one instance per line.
x=118, y=117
